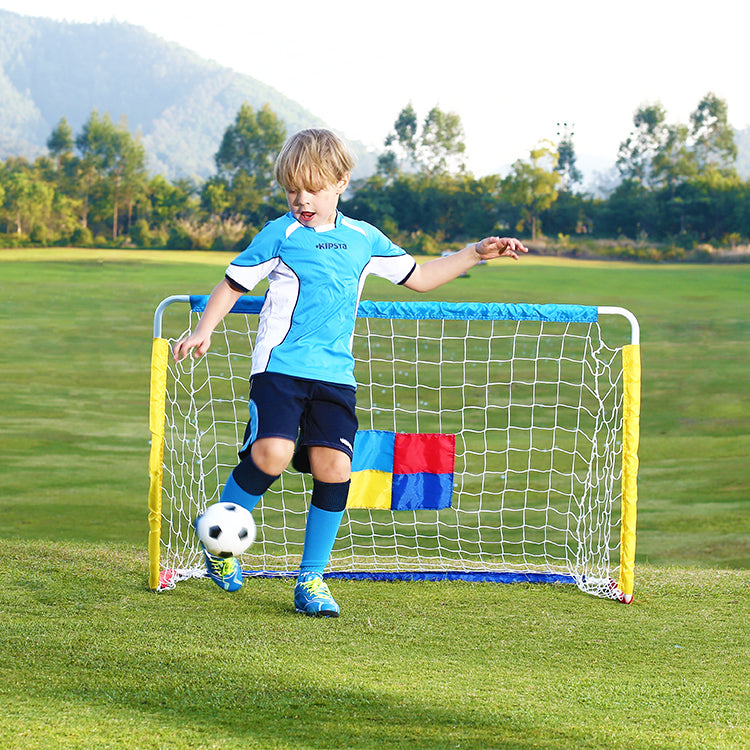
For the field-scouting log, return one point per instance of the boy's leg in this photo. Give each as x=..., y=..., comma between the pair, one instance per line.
x=311, y=593
x=245, y=486
x=268, y=444
x=262, y=459
x=323, y=521
x=325, y=449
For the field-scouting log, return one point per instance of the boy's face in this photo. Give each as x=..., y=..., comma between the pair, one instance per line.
x=316, y=208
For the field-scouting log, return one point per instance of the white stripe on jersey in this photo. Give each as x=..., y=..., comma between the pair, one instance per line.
x=275, y=318
x=349, y=224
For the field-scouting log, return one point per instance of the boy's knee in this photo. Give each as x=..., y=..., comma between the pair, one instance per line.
x=251, y=478
x=330, y=465
x=272, y=455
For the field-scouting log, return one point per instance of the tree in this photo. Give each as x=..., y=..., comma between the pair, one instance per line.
x=532, y=185
x=566, y=163
x=712, y=135
x=404, y=139
x=113, y=164
x=628, y=211
x=434, y=149
x=215, y=196
x=674, y=162
x=64, y=175
x=387, y=167
x=129, y=176
x=635, y=158
x=61, y=142
x=27, y=198
x=442, y=142
x=249, y=147
x=659, y=154
x=168, y=201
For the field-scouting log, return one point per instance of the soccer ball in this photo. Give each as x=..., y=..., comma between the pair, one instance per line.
x=226, y=529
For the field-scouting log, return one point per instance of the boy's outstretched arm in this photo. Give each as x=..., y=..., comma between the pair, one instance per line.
x=220, y=302
x=439, y=271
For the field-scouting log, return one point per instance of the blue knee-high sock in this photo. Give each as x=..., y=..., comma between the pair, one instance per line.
x=320, y=535
x=246, y=484
x=233, y=493
x=323, y=521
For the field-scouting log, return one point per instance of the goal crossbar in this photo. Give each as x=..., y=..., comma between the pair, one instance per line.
x=545, y=410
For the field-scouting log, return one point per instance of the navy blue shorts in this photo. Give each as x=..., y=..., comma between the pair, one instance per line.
x=308, y=412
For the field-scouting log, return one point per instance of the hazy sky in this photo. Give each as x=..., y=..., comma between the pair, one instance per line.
x=512, y=71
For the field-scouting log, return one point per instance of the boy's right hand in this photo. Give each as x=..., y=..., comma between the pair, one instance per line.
x=198, y=343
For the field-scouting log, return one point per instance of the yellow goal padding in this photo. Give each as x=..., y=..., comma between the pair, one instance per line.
x=631, y=363
x=159, y=359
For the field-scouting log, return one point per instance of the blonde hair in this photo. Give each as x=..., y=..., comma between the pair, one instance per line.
x=312, y=159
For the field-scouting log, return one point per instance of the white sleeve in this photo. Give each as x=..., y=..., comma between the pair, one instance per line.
x=395, y=268
x=246, y=277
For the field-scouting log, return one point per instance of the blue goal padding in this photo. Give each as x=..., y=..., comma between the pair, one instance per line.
x=440, y=310
x=478, y=311
x=476, y=576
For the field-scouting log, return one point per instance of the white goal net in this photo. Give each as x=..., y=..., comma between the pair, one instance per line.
x=541, y=400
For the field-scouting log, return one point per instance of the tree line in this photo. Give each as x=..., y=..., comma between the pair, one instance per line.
x=677, y=185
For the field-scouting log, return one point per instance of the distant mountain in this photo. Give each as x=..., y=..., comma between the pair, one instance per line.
x=180, y=103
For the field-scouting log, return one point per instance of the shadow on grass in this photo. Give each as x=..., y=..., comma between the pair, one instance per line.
x=104, y=662
x=281, y=712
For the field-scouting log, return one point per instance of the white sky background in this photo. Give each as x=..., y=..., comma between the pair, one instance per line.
x=511, y=71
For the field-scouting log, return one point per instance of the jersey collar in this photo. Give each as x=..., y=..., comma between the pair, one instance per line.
x=329, y=227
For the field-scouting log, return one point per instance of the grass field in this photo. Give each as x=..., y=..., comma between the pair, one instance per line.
x=91, y=659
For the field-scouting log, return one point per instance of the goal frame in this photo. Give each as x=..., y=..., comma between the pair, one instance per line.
x=622, y=588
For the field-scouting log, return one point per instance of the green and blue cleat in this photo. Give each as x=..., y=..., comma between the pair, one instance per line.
x=225, y=572
x=312, y=597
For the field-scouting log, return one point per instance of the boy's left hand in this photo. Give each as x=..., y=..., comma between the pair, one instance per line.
x=497, y=247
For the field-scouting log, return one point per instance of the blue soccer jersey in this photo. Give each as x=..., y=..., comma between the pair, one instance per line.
x=315, y=279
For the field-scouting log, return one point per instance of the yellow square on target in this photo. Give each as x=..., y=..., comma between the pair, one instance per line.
x=370, y=489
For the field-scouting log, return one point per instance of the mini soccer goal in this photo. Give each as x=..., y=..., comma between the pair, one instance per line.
x=528, y=422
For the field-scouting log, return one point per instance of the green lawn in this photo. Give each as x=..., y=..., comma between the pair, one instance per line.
x=91, y=659
x=76, y=327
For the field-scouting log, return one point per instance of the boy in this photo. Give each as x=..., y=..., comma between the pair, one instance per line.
x=302, y=387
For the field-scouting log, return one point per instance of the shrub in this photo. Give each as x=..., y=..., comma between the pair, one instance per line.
x=140, y=234
x=179, y=238
x=82, y=237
